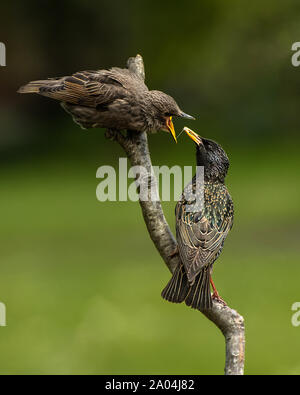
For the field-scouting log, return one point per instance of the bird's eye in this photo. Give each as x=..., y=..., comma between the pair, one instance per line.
x=168, y=114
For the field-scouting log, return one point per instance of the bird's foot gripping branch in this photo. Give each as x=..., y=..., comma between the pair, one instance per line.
x=231, y=324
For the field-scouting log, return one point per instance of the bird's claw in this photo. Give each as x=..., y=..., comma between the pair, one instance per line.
x=215, y=296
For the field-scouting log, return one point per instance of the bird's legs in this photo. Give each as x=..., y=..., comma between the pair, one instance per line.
x=215, y=294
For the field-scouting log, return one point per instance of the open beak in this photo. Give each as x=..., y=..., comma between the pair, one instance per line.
x=194, y=136
x=186, y=116
x=170, y=126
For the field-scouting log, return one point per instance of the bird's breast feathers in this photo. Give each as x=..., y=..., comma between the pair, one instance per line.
x=201, y=234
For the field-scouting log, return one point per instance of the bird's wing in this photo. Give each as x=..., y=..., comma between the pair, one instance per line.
x=86, y=88
x=201, y=235
x=127, y=79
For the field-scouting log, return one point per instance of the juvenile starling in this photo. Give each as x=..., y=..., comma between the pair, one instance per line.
x=201, y=234
x=113, y=99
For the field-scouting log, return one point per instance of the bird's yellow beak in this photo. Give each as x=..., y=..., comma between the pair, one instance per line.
x=170, y=126
x=194, y=136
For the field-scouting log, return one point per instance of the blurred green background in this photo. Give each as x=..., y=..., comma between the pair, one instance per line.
x=81, y=279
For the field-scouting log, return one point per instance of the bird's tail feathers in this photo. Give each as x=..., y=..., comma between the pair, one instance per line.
x=199, y=296
x=41, y=86
x=178, y=287
x=32, y=87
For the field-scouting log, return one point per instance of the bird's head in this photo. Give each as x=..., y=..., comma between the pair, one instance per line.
x=211, y=156
x=164, y=109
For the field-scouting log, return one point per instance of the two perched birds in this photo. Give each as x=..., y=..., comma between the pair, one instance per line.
x=118, y=99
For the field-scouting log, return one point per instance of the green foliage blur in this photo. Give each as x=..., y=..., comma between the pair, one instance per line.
x=81, y=279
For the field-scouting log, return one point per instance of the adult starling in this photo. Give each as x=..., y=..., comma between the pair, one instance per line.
x=201, y=232
x=113, y=99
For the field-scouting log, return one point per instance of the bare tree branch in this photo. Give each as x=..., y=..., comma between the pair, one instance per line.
x=231, y=324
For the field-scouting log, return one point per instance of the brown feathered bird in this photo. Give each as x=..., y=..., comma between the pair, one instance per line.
x=113, y=99
x=202, y=228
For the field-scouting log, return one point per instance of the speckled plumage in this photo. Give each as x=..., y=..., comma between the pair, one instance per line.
x=201, y=234
x=114, y=99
